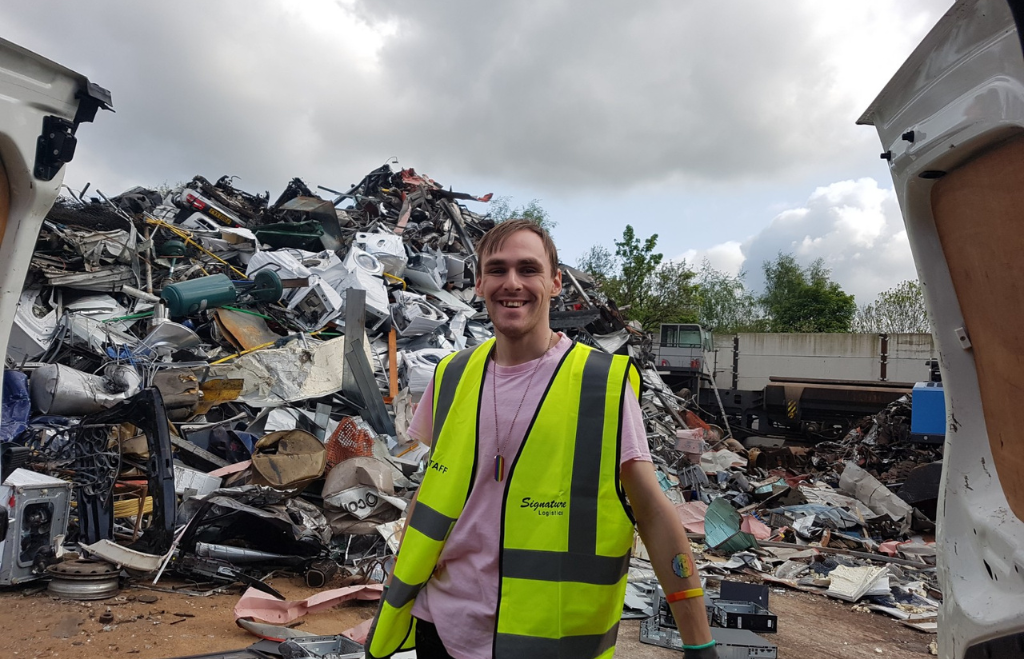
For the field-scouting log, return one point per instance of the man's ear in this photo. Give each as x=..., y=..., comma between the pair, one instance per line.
x=556, y=283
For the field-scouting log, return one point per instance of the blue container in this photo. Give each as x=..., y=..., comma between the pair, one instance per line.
x=928, y=410
x=16, y=405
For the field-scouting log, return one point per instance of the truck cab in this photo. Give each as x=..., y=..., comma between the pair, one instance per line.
x=680, y=354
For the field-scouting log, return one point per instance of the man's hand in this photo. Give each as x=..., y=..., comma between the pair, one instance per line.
x=706, y=653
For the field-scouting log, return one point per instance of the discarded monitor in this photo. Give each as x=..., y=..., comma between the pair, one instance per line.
x=739, y=591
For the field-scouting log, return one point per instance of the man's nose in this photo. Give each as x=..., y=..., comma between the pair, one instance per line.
x=512, y=281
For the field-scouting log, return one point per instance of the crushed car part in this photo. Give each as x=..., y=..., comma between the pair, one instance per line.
x=82, y=579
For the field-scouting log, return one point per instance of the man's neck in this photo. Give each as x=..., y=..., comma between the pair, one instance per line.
x=512, y=352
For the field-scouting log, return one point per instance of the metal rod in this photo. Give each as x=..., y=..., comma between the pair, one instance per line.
x=142, y=295
x=149, y=259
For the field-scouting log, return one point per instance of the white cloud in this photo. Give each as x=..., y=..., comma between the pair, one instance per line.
x=725, y=257
x=854, y=226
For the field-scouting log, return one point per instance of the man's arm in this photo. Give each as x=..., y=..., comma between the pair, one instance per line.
x=669, y=549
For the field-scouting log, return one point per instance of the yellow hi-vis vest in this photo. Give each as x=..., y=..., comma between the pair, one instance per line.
x=566, y=531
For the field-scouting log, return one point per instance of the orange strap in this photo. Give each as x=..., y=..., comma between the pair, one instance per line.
x=684, y=595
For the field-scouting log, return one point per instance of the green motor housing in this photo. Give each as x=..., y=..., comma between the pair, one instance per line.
x=171, y=249
x=186, y=298
x=266, y=286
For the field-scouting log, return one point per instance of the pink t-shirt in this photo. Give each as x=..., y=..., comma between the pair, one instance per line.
x=463, y=594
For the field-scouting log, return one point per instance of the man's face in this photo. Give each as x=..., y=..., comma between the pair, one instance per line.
x=517, y=284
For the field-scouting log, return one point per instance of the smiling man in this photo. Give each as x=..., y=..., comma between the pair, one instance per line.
x=517, y=543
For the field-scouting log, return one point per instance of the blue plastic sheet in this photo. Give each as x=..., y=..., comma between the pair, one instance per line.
x=16, y=405
x=722, y=528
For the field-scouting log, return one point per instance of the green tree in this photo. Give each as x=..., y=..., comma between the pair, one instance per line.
x=501, y=209
x=637, y=263
x=644, y=286
x=672, y=298
x=804, y=300
x=599, y=263
x=900, y=309
x=723, y=302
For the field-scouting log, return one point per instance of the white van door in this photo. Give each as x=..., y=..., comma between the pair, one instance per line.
x=951, y=123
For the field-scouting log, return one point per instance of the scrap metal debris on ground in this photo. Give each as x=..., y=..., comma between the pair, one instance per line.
x=205, y=385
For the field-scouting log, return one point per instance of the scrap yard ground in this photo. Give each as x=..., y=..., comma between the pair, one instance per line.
x=810, y=627
x=851, y=514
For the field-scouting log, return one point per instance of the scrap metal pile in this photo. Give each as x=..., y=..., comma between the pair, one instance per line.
x=203, y=383
x=853, y=520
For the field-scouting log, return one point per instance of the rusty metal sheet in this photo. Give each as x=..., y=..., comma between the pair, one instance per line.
x=215, y=392
x=244, y=331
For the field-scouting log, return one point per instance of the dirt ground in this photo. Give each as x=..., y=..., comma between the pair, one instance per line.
x=176, y=625
x=811, y=627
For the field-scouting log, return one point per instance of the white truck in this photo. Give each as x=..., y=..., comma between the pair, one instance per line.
x=951, y=123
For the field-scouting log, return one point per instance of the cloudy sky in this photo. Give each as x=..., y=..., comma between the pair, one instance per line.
x=725, y=127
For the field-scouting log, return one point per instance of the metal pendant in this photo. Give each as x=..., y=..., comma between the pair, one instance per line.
x=499, y=468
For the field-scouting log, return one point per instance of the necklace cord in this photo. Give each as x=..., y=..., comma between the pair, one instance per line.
x=499, y=459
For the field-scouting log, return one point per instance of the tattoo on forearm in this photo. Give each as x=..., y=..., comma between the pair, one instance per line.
x=682, y=565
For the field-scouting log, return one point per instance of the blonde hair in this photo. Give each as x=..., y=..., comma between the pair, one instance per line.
x=494, y=239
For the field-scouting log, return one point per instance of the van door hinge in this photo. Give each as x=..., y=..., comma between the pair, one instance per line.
x=55, y=147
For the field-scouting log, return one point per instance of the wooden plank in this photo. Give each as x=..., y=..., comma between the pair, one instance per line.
x=977, y=211
x=392, y=367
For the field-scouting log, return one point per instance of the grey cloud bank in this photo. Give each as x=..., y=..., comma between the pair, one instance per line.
x=559, y=99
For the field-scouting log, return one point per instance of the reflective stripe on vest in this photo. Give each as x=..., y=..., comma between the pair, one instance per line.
x=439, y=502
x=566, y=536
x=570, y=647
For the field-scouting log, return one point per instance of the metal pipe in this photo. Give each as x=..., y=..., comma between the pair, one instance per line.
x=142, y=295
x=881, y=558
x=235, y=554
x=206, y=426
x=579, y=289
x=149, y=261
x=721, y=407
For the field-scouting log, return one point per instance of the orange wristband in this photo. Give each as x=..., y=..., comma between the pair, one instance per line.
x=684, y=595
